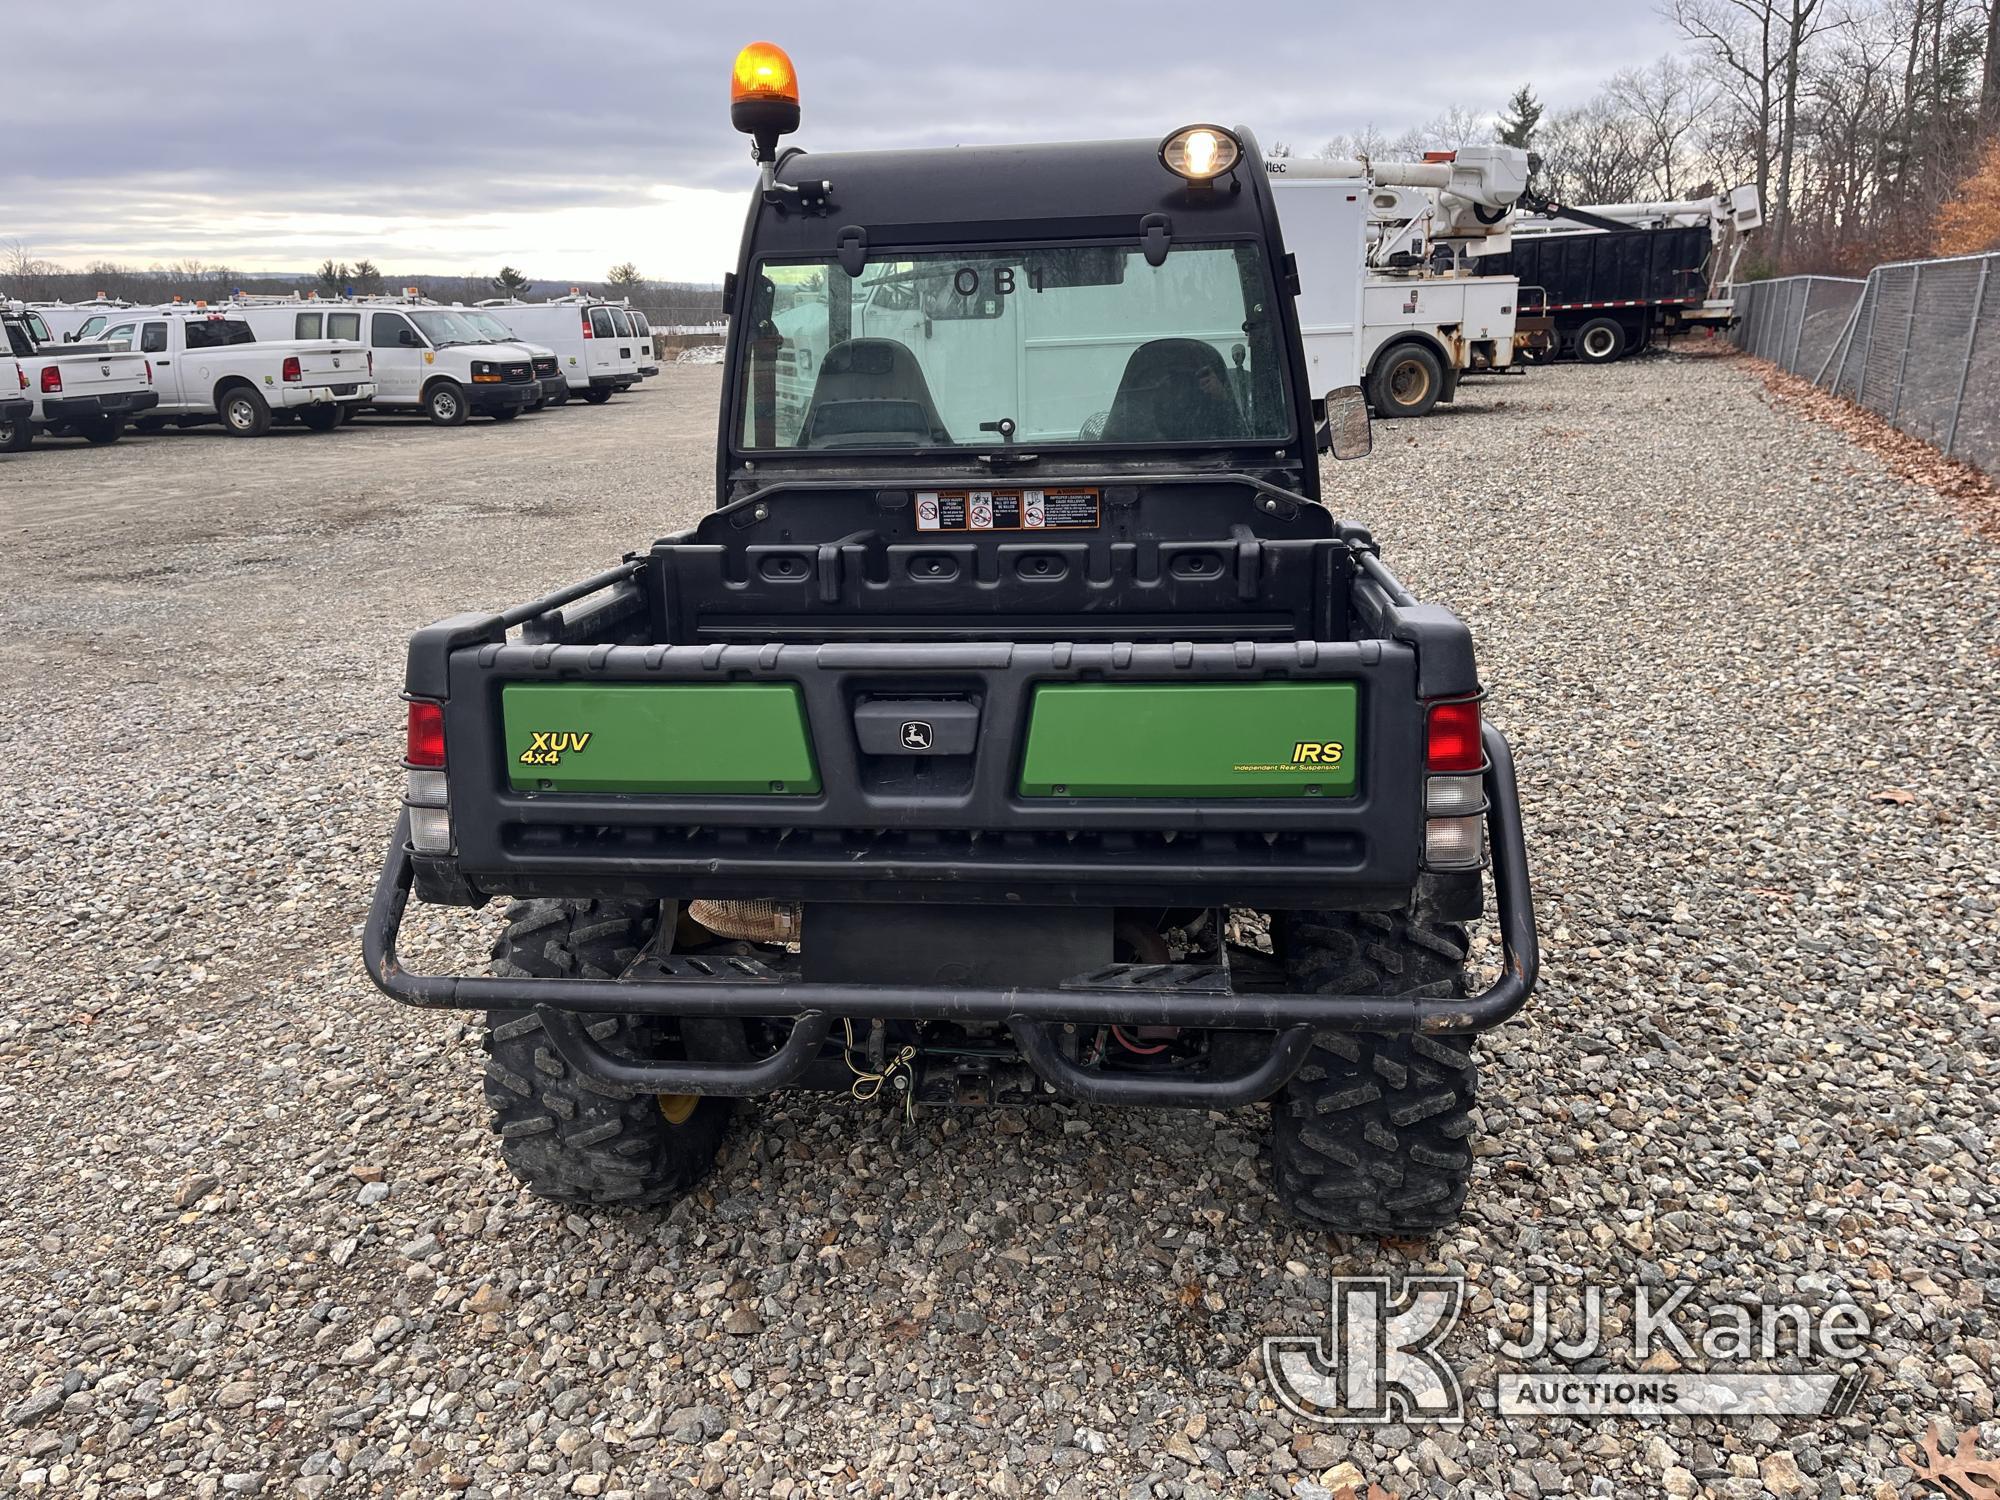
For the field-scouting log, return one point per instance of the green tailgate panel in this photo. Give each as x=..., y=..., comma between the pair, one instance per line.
x=1222, y=739
x=722, y=739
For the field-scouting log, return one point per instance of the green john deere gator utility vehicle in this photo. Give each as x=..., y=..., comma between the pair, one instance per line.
x=1017, y=725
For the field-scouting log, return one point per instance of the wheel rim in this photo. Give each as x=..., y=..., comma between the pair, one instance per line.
x=445, y=404
x=677, y=1109
x=241, y=416
x=1409, y=382
x=1598, y=343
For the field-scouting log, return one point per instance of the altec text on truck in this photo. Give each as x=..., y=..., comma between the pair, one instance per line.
x=1019, y=723
x=209, y=365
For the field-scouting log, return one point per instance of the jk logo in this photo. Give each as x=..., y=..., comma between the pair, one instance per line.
x=916, y=735
x=1379, y=1360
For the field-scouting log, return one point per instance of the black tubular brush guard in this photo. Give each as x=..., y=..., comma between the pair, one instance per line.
x=1185, y=995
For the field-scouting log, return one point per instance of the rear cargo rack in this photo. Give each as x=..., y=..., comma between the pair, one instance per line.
x=1132, y=994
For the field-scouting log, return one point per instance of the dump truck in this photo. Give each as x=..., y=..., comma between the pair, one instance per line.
x=1018, y=726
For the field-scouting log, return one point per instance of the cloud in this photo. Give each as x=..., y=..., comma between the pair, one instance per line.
x=466, y=134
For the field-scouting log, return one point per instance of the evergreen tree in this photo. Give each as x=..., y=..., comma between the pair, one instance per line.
x=1524, y=113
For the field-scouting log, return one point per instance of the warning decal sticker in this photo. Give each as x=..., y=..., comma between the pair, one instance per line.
x=1006, y=510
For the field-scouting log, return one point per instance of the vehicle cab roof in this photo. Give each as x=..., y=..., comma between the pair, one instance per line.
x=963, y=194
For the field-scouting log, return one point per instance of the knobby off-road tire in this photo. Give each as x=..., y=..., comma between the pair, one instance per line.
x=1374, y=1134
x=565, y=1135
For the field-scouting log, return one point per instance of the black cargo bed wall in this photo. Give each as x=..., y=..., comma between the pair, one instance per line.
x=1199, y=563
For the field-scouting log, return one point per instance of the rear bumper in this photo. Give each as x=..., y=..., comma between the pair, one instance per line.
x=613, y=382
x=484, y=400
x=649, y=371
x=78, y=408
x=292, y=396
x=16, y=411
x=1124, y=994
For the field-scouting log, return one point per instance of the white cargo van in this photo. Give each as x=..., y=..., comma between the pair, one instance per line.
x=548, y=370
x=76, y=322
x=642, y=330
x=583, y=332
x=427, y=358
x=211, y=366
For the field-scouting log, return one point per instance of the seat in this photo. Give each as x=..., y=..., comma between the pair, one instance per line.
x=1174, y=390
x=870, y=392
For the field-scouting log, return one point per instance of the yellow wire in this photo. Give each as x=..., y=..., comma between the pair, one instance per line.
x=874, y=1081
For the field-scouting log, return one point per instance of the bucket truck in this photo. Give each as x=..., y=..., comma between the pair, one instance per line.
x=1394, y=291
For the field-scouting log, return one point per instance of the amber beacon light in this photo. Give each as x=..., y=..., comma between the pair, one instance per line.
x=764, y=96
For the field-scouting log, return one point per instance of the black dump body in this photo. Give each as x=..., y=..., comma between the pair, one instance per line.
x=1651, y=272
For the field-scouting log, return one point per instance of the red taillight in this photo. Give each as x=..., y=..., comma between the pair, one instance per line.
x=586, y=327
x=22, y=376
x=1451, y=742
x=149, y=372
x=426, y=738
x=51, y=380
x=292, y=370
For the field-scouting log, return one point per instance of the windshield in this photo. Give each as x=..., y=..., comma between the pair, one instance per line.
x=91, y=326
x=37, y=329
x=446, y=328
x=489, y=327
x=1041, y=345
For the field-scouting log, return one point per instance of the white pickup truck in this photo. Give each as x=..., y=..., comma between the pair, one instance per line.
x=210, y=366
x=16, y=410
x=76, y=392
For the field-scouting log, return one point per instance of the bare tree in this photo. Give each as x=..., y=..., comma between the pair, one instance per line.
x=1594, y=153
x=1669, y=101
x=1761, y=45
x=1368, y=141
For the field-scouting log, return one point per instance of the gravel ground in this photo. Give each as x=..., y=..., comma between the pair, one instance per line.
x=258, y=1240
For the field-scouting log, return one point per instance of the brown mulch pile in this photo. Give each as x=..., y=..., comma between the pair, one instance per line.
x=1974, y=495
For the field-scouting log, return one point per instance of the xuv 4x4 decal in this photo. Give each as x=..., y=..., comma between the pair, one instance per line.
x=546, y=747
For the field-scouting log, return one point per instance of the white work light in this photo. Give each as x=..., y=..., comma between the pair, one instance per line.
x=1200, y=153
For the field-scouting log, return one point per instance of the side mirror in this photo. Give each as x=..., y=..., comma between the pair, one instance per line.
x=1346, y=433
x=407, y=339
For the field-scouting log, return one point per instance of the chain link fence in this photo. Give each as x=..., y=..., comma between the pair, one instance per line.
x=1917, y=342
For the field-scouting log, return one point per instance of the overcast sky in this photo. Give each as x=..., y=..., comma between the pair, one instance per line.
x=452, y=136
